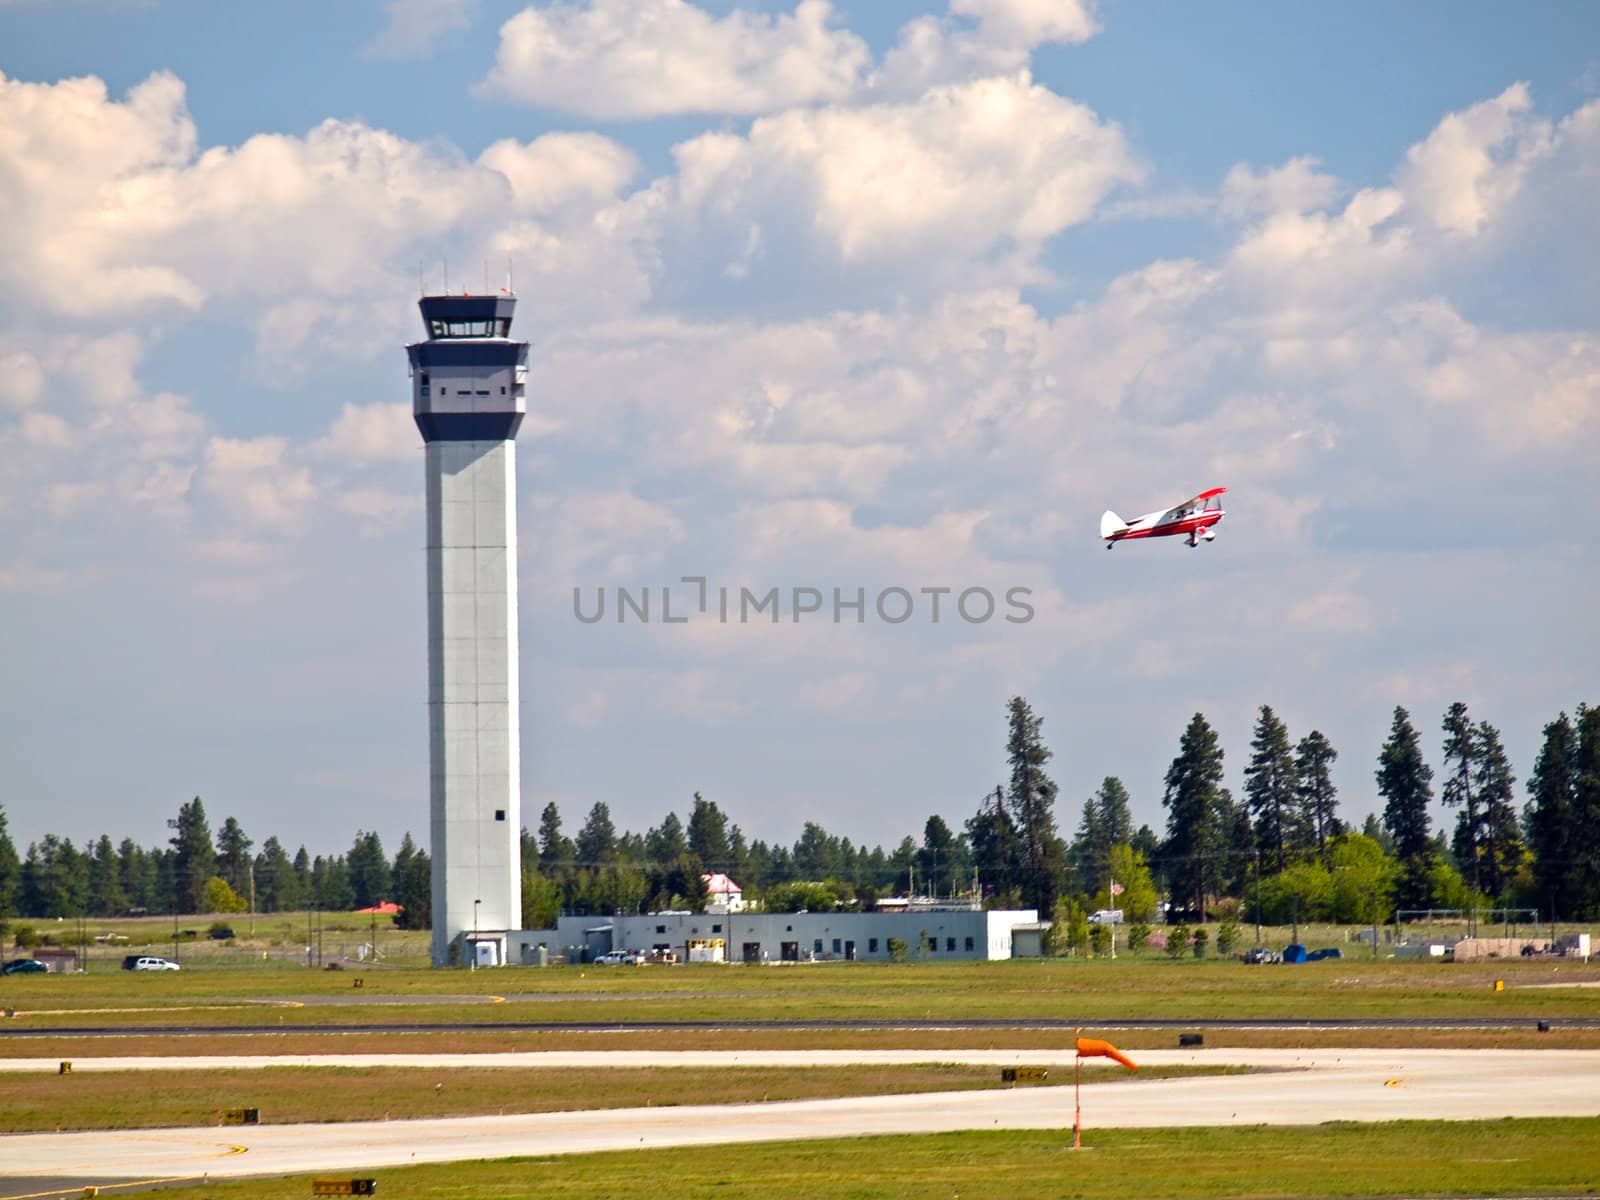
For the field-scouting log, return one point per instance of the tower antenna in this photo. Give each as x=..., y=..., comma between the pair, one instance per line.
x=511, y=280
x=447, y=275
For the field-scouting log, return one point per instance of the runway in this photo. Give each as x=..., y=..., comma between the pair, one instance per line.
x=1295, y=1087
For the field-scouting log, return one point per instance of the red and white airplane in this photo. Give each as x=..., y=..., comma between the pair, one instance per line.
x=1196, y=518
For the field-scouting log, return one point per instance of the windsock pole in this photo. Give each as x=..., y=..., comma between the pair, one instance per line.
x=1090, y=1048
x=1077, y=1099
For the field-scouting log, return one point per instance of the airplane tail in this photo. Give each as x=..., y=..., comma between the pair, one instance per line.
x=1111, y=524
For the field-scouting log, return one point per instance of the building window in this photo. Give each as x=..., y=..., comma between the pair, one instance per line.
x=716, y=929
x=872, y=945
x=499, y=814
x=816, y=946
x=661, y=928
x=836, y=946
x=950, y=944
x=969, y=944
x=933, y=945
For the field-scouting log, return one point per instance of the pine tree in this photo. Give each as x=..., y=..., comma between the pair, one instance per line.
x=195, y=859
x=1106, y=822
x=413, y=887
x=596, y=842
x=1586, y=808
x=1198, y=815
x=1271, y=790
x=1313, y=760
x=1461, y=749
x=233, y=856
x=10, y=874
x=106, y=897
x=368, y=870
x=556, y=852
x=1405, y=783
x=708, y=835
x=1499, y=842
x=664, y=843
x=277, y=887
x=993, y=836
x=1032, y=793
x=1551, y=820
x=936, y=860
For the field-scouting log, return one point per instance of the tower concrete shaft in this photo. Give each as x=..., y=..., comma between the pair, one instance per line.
x=468, y=383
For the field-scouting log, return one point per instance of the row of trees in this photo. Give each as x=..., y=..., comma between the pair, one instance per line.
x=195, y=873
x=1281, y=845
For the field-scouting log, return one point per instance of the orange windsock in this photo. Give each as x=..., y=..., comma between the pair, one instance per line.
x=1095, y=1048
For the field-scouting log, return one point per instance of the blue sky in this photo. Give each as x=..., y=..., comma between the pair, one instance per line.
x=869, y=295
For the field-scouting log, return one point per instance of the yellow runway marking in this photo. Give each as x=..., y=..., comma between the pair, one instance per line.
x=1393, y=1082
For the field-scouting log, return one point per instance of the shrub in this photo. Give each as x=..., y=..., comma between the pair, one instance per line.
x=27, y=937
x=1227, y=935
x=1138, y=935
x=1100, y=938
x=1201, y=937
x=1177, y=940
x=897, y=950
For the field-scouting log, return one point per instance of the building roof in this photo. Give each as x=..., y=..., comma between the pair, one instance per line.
x=720, y=885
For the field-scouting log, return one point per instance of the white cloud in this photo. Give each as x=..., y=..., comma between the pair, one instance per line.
x=412, y=27
x=21, y=379
x=562, y=171
x=993, y=167
x=1295, y=187
x=934, y=50
x=253, y=481
x=1470, y=167
x=363, y=434
x=629, y=59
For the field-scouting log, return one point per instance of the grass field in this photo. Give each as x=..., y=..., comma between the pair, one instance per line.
x=1092, y=992
x=1476, y=1158
x=292, y=1095
x=307, y=1009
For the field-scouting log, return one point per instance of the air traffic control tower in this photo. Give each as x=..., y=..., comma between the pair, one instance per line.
x=467, y=385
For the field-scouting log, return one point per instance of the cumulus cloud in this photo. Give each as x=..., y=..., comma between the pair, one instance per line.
x=1471, y=166
x=253, y=480
x=629, y=59
x=412, y=28
x=986, y=170
x=933, y=50
x=363, y=434
x=1295, y=187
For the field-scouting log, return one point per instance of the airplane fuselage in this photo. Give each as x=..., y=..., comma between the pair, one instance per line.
x=1152, y=525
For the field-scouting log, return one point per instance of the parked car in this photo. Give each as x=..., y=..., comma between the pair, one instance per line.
x=147, y=962
x=24, y=966
x=1106, y=916
x=221, y=933
x=616, y=958
x=662, y=956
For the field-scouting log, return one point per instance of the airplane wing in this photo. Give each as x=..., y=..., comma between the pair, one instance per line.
x=1193, y=504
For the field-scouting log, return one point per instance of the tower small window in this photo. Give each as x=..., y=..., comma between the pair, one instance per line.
x=499, y=814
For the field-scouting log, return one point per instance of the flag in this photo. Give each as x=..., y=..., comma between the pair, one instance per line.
x=1116, y=888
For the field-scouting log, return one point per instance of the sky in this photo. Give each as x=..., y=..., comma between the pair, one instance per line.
x=865, y=295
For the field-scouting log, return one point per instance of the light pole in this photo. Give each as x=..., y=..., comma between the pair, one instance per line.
x=1256, y=854
x=473, y=956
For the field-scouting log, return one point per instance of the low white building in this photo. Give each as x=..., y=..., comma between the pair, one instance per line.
x=928, y=933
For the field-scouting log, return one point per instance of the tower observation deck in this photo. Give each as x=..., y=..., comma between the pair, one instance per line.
x=467, y=383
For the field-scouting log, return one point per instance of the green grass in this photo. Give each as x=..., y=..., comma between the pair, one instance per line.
x=293, y=1095
x=1476, y=1158
x=1094, y=992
